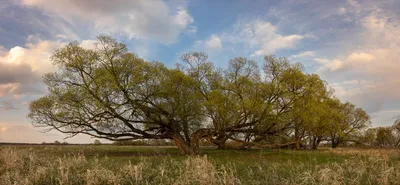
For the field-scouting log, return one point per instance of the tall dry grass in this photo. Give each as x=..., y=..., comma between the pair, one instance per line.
x=27, y=167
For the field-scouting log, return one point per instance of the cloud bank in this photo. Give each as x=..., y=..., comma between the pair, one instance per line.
x=152, y=20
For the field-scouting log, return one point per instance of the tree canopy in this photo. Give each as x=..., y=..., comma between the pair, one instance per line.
x=108, y=92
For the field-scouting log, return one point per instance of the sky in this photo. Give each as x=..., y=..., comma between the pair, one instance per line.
x=354, y=45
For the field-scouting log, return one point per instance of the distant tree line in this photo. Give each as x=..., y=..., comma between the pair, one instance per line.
x=55, y=143
x=110, y=93
x=145, y=142
x=383, y=137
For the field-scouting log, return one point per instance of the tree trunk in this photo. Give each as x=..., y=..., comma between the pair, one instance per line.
x=183, y=147
x=335, y=143
x=297, y=145
x=195, y=139
x=193, y=147
x=220, y=141
x=297, y=138
x=315, y=143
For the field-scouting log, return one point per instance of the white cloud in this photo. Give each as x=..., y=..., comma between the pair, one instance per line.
x=36, y=55
x=322, y=60
x=265, y=35
x=333, y=66
x=191, y=30
x=354, y=60
x=182, y=18
x=21, y=67
x=153, y=20
x=214, y=42
x=88, y=44
x=378, y=54
x=261, y=37
x=381, y=30
x=360, y=57
x=373, y=65
x=303, y=54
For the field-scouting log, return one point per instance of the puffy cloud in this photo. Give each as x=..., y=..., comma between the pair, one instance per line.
x=261, y=36
x=88, y=44
x=212, y=46
x=355, y=60
x=154, y=20
x=13, y=73
x=304, y=54
x=330, y=66
x=214, y=42
x=36, y=55
x=366, y=73
x=381, y=30
x=376, y=72
x=360, y=57
x=21, y=68
x=379, y=63
x=322, y=60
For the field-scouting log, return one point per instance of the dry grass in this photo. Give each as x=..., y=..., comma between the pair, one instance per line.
x=373, y=152
x=26, y=167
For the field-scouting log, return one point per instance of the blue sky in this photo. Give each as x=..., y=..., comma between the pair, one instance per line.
x=354, y=45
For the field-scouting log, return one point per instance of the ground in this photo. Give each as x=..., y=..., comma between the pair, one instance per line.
x=109, y=164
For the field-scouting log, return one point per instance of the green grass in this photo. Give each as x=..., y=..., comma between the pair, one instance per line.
x=108, y=164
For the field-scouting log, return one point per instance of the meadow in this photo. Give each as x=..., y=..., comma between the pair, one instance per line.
x=109, y=164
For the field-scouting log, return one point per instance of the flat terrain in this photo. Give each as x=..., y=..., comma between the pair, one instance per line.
x=108, y=164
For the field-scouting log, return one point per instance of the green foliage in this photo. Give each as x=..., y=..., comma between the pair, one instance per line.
x=108, y=92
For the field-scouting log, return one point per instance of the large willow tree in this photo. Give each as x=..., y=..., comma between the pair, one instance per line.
x=108, y=92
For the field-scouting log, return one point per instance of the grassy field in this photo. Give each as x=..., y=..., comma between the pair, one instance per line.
x=107, y=164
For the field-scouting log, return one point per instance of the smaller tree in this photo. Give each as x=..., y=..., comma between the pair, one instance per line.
x=97, y=142
x=396, y=133
x=369, y=137
x=351, y=121
x=385, y=137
